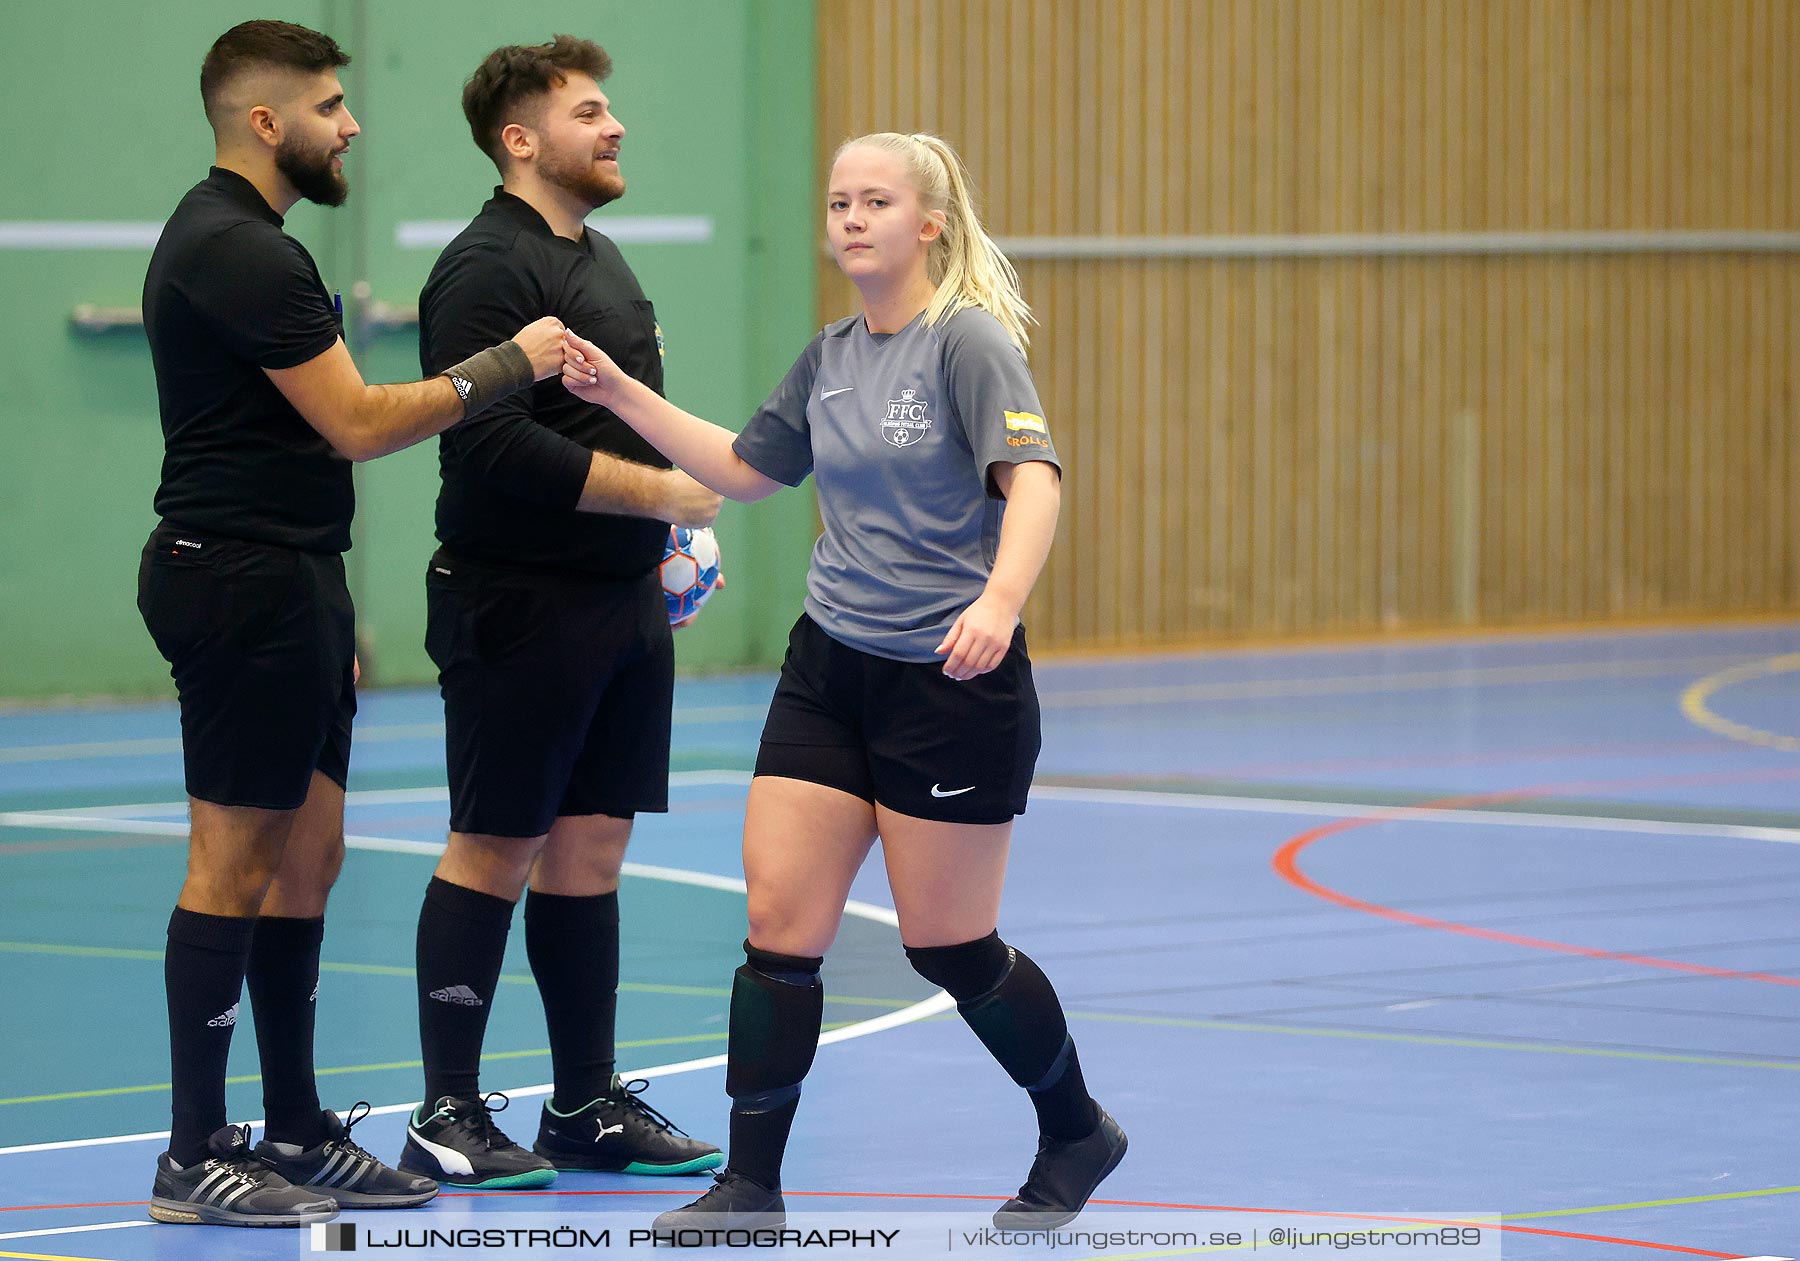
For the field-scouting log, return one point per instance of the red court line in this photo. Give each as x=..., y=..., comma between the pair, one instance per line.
x=1286, y=864
x=1196, y=1208
x=922, y=1195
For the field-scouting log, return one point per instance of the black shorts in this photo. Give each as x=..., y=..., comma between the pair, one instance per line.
x=903, y=734
x=557, y=694
x=261, y=642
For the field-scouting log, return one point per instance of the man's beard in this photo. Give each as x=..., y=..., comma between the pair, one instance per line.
x=582, y=177
x=311, y=176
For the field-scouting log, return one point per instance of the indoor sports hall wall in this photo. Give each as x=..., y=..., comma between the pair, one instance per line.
x=1301, y=395
x=717, y=100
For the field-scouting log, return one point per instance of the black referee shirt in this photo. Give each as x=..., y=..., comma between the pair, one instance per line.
x=229, y=294
x=513, y=473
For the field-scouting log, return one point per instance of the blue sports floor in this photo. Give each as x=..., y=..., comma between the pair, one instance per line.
x=1501, y=925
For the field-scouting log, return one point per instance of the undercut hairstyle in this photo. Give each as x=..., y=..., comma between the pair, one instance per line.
x=519, y=73
x=263, y=45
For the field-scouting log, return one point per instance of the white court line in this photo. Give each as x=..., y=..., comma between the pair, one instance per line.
x=111, y=815
x=360, y=797
x=1416, y=814
x=1081, y=698
x=938, y=1002
x=941, y=1001
x=388, y=733
x=74, y=1230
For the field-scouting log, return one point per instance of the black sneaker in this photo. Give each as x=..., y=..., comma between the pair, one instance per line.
x=620, y=1133
x=232, y=1187
x=734, y=1203
x=341, y=1169
x=458, y=1143
x=1062, y=1178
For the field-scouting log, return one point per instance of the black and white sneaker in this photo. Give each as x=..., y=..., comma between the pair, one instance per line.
x=734, y=1203
x=338, y=1167
x=1062, y=1178
x=232, y=1187
x=620, y=1133
x=457, y=1143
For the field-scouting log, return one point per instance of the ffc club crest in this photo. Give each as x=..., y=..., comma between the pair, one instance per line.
x=907, y=419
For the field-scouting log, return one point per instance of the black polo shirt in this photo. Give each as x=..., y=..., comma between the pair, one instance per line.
x=512, y=474
x=229, y=294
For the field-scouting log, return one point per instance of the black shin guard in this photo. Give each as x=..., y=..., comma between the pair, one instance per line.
x=1012, y=1007
x=777, y=1006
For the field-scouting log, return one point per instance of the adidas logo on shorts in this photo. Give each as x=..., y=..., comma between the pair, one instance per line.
x=224, y=1020
x=461, y=995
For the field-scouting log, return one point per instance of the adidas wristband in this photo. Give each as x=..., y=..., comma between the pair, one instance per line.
x=484, y=379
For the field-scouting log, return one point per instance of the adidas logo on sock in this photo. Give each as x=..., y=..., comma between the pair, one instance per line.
x=461, y=995
x=224, y=1020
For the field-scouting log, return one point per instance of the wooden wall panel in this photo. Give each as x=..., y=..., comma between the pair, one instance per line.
x=1266, y=446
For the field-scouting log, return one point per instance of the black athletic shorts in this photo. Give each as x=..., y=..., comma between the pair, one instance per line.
x=902, y=733
x=261, y=642
x=557, y=690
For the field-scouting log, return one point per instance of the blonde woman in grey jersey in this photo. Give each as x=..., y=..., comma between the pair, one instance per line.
x=906, y=708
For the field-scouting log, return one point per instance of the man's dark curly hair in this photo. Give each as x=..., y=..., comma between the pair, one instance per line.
x=515, y=74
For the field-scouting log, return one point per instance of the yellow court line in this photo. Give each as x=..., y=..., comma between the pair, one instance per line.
x=1615, y=1208
x=388, y=969
x=46, y=1256
x=1695, y=709
x=1233, y=1026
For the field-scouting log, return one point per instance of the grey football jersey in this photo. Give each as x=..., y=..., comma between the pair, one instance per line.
x=899, y=431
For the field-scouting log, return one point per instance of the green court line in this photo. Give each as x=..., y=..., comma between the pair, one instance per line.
x=1617, y=1208
x=1232, y=1026
x=384, y=969
x=78, y=952
x=495, y=1056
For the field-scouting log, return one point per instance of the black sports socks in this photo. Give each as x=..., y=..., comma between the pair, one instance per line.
x=203, y=972
x=777, y=1006
x=1010, y=1004
x=573, y=945
x=462, y=940
x=283, y=976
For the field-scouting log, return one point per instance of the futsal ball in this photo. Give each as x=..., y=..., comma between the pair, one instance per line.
x=690, y=570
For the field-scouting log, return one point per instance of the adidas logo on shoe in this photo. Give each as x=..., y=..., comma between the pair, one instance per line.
x=224, y=1020
x=461, y=995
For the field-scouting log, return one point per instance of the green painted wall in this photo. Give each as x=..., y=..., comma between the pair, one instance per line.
x=717, y=100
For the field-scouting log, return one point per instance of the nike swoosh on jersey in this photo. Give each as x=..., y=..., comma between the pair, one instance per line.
x=936, y=791
x=825, y=394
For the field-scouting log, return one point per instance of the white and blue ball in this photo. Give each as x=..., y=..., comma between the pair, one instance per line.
x=690, y=570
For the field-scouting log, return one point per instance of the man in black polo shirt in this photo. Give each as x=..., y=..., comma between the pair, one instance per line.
x=242, y=588
x=547, y=623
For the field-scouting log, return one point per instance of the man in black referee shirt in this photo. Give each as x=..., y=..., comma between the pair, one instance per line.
x=242, y=588
x=547, y=623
